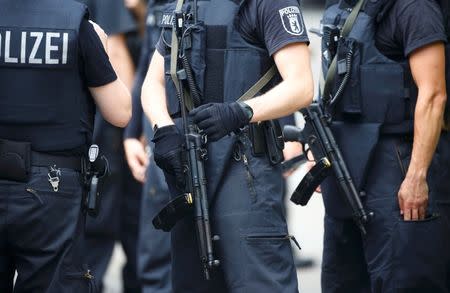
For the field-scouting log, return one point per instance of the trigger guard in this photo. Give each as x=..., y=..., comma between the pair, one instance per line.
x=308, y=152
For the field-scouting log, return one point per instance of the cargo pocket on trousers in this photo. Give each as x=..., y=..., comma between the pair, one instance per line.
x=421, y=255
x=268, y=254
x=81, y=281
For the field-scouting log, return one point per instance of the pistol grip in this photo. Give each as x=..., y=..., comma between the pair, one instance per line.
x=310, y=182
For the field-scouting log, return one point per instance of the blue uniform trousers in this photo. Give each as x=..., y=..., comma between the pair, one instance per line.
x=118, y=219
x=247, y=213
x=154, y=258
x=38, y=229
x=394, y=256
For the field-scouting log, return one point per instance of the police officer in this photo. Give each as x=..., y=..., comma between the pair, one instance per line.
x=53, y=68
x=243, y=40
x=387, y=95
x=118, y=219
x=153, y=254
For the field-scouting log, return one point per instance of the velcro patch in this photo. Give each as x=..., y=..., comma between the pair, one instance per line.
x=292, y=20
x=36, y=47
x=166, y=20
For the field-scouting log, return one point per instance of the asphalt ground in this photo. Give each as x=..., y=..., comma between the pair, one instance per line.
x=305, y=223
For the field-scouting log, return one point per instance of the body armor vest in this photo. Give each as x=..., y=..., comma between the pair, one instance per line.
x=368, y=86
x=225, y=65
x=371, y=94
x=155, y=11
x=43, y=98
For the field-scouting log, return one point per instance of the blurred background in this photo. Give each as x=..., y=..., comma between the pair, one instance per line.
x=305, y=223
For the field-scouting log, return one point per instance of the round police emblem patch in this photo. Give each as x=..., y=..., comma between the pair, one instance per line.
x=292, y=20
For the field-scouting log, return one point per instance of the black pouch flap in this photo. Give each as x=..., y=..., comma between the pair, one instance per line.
x=346, y=93
x=357, y=143
x=14, y=160
x=274, y=141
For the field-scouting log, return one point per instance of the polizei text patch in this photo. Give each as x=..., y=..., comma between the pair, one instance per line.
x=37, y=47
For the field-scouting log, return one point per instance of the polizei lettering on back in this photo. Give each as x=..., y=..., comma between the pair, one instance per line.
x=24, y=47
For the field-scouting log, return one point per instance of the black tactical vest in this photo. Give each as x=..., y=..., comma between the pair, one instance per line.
x=155, y=11
x=368, y=87
x=224, y=64
x=43, y=98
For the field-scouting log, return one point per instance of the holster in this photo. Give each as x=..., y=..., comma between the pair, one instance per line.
x=267, y=138
x=15, y=160
x=94, y=176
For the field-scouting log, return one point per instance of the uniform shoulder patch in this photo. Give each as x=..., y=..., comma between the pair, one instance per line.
x=292, y=20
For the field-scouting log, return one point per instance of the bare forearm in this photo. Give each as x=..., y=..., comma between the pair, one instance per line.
x=294, y=92
x=427, y=128
x=154, y=103
x=286, y=98
x=121, y=59
x=114, y=102
x=153, y=95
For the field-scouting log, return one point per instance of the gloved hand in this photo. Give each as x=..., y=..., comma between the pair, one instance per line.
x=168, y=152
x=219, y=119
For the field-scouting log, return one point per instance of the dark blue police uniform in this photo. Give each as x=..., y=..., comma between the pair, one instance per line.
x=245, y=202
x=373, y=123
x=46, y=121
x=153, y=254
x=154, y=257
x=121, y=193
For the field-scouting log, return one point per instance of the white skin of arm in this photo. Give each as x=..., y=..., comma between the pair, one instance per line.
x=428, y=69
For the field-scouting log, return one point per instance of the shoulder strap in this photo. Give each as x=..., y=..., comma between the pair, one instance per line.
x=174, y=50
x=174, y=61
x=346, y=29
x=259, y=85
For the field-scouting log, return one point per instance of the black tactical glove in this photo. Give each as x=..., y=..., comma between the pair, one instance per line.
x=168, y=152
x=219, y=119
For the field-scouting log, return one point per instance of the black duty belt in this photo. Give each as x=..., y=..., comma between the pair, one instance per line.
x=45, y=160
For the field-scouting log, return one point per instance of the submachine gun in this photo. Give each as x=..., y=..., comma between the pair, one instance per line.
x=322, y=144
x=195, y=202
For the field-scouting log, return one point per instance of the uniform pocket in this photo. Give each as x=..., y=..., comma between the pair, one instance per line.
x=81, y=281
x=421, y=256
x=403, y=150
x=268, y=257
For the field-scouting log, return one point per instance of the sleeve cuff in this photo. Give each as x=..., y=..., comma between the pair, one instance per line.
x=106, y=80
x=424, y=42
x=284, y=43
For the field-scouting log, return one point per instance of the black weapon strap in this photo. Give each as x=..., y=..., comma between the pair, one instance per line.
x=259, y=85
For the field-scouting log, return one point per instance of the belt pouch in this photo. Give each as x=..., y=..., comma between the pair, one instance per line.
x=274, y=141
x=15, y=160
x=257, y=139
